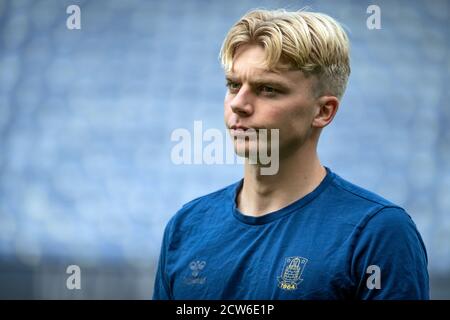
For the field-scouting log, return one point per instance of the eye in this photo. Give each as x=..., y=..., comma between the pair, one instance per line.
x=233, y=87
x=268, y=90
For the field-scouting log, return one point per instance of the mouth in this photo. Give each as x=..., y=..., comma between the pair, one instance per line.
x=242, y=131
x=239, y=128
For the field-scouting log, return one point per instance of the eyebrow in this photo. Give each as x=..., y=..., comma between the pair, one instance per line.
x=260, y=81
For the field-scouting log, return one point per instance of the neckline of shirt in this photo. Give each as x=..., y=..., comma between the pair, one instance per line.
x=275, y=215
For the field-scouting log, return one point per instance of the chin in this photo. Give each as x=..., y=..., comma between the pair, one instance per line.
x=245, y=150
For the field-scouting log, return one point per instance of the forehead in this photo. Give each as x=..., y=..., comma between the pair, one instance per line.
x=250, y=58
x=249, y=63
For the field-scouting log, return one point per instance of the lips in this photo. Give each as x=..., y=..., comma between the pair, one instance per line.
x=239, y=130
x=239, y=127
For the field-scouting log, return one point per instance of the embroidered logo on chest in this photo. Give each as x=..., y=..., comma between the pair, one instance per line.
x=196, y=267
x=291, y=273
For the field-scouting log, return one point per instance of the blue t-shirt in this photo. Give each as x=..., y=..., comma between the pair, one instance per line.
x=337, y=242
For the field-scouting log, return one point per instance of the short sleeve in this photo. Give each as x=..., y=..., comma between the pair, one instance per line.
x=389, y=260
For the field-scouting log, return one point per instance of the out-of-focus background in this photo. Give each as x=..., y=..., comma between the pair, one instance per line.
x=86, y=117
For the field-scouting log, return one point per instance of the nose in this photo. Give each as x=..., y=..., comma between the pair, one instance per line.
x=241, y=103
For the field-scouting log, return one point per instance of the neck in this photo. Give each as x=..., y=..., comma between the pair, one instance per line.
x=299, y=174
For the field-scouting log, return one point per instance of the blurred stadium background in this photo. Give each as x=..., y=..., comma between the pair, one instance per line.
x=86, y=117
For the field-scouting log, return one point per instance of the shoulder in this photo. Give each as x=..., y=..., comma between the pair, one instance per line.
x=360, y=206
x=374, y=215
x=224, y=194
x=358, y=194
x=219, y=198
x=198, y=210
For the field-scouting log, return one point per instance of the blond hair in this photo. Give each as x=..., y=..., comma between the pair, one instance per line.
x=308, y=41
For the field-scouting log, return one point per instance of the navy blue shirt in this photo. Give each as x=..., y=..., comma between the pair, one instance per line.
x=337, y=242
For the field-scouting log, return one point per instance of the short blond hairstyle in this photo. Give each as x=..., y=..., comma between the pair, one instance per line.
x=311, y=42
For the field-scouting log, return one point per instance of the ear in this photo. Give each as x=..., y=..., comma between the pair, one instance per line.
x=327, y=107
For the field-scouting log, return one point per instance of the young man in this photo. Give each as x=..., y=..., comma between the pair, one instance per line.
x=303, y=232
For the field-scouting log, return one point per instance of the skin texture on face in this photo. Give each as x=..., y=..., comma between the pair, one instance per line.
x=281, y=99
x=271, y=99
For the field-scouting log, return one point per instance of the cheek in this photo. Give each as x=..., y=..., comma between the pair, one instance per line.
x=227, y=102
x=226, y=108
x=293, y=123
x=301, y=114
x=277, y=118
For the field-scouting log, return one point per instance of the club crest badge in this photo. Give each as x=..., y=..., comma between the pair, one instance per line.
x=291, y=273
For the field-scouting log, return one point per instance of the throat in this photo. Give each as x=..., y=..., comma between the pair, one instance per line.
x=259, y=197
